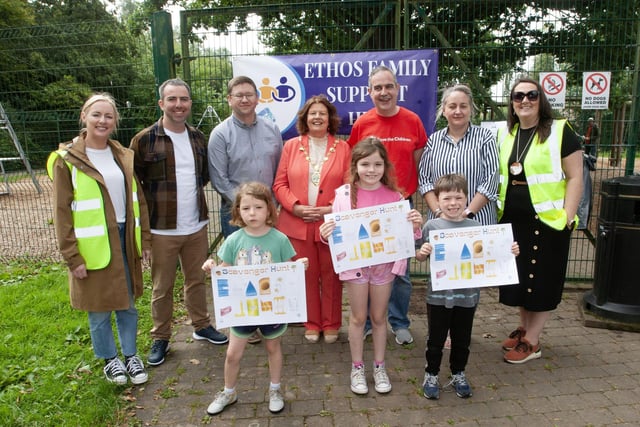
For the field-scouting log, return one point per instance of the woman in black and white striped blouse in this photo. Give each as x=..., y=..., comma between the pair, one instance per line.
x=461, y=148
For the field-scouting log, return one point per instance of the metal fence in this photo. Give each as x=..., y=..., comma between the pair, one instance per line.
x=485, y=43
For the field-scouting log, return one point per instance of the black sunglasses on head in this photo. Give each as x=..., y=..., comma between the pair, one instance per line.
x=532, y=95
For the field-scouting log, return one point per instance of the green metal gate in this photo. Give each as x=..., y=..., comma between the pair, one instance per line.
x=485, y=44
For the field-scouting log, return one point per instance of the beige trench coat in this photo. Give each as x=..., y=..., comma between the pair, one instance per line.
x=105, y=289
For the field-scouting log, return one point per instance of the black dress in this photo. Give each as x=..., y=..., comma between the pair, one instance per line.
x=544, y=251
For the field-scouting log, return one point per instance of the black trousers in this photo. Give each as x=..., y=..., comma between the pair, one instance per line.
x=458, y=321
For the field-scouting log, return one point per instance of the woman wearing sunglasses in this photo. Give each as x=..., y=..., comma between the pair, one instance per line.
x=540, y=188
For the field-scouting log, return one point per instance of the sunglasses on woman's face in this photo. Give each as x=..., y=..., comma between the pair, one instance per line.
x=532, y=95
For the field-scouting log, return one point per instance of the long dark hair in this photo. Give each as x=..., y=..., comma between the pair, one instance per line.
x=365, y=148
x=545, y=112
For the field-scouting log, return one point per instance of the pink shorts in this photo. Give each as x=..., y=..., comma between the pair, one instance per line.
x=375, y=275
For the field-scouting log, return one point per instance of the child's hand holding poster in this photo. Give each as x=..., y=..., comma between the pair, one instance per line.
x=472, y=257
x=371, y=236
x=259, y=294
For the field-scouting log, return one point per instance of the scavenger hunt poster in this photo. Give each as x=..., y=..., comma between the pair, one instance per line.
x=370, y=236
x=259, y=294
x=472, y=257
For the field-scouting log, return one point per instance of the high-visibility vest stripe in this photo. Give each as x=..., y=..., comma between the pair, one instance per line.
x=84, y=232
x=86, y=205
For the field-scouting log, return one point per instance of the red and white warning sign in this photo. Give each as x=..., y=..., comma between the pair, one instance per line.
x=554, y=86
x=595, y=90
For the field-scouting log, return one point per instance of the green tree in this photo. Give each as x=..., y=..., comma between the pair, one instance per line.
x=15, y=13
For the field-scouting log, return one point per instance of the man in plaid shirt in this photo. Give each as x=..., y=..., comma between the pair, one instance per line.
x=171, y=164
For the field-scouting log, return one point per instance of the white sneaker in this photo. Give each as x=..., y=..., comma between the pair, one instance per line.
x=359, y=381
x=276, y=401
x=381, y=379
x=115, y=372
x=136, y=371
x=221, y=401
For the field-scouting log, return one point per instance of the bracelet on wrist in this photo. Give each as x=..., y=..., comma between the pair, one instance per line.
x=437, y=213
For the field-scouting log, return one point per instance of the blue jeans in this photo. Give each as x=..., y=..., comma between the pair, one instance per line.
x=104, y=346
x=225, y=217
x=399, y=301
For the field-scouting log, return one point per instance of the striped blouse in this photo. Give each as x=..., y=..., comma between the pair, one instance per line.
x=475, y=156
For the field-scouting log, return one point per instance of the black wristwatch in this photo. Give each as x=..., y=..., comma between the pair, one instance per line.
x=471, y=215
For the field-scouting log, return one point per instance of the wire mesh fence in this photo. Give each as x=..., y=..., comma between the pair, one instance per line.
x=484, y=43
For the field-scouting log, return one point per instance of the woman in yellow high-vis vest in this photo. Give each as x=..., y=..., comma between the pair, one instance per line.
x=540, y=164
x=102, y=228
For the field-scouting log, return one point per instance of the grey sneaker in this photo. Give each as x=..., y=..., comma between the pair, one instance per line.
x=381, y=380
x=403, y=336
x=430, y=386
x=359, y=381
x=115, y=371
x=221, y=401
x=135, y=370
x=367, y=332
x=276, y=401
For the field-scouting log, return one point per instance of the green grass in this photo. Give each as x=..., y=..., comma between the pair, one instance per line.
x=48, y=373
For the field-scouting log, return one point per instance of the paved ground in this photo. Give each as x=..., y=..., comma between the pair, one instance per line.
x=586, y=377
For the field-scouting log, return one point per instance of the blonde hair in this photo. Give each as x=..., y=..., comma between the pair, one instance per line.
x=457, y=88
x=97, y=97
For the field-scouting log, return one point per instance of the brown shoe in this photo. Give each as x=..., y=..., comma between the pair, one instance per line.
x=330, y=336
x=514, y=339
x=255, y=338
x=523, y=352
x=312, y=336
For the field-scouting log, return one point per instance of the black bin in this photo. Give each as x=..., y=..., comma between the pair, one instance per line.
x=616, y=286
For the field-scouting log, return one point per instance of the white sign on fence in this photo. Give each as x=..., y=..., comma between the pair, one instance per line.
x=595, y=90
x=554, y=86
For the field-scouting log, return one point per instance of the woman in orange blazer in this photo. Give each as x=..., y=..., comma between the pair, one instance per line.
x=312, y=166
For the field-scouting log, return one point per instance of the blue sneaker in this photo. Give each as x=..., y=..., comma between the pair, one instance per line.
x=159, y=350
x=211, y=335
x=430, y=386
x=461, y=385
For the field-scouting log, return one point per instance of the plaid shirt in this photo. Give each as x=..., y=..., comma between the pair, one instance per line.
x=156, y=169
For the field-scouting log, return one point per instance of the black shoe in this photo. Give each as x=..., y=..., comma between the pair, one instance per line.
x=211, y=335
x=159, y=349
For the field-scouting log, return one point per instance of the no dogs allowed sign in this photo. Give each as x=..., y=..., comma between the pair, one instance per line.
x=595, y=90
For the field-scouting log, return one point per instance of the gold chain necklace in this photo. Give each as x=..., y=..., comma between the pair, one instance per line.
x=316, y=167
x=516, y=167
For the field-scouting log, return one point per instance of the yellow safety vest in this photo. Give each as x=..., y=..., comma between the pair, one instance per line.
x=89, y=220
x=545, y=177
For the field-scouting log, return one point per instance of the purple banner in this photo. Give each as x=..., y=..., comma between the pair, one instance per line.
x=286, y=82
